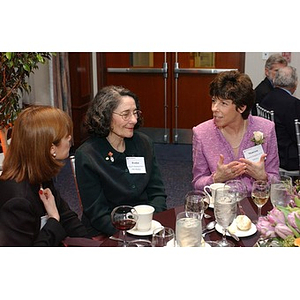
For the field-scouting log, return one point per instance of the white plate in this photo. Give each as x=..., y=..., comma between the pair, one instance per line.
x=239, y=233
x=154, y=225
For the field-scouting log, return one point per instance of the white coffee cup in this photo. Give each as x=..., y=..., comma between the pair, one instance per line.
x=210, y=190
x=145, y=213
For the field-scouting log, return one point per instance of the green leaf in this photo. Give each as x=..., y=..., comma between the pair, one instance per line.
x=295, y=232
x=26, y=68
x=297, y=201
x=285, y=210
x=8, y=55
x=297, y=221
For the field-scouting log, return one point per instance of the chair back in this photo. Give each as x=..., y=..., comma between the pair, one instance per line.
x=264, y=113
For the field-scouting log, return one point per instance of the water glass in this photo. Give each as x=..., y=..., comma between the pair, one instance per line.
x=280, y=193
x=196, y=201
x=225, y=212
x=163, y=237
x=188, y=230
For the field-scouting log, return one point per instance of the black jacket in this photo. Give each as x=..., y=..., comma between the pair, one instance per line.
x=286, y=109
x=20, y=217
x=261, y=92
x=105, y=182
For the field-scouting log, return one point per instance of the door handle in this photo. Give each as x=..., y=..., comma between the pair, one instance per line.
x=178, y=70
x=137, y=70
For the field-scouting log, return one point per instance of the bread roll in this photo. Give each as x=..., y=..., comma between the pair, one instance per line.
x=243, y=222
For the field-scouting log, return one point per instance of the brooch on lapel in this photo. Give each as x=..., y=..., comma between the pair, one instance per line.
x=258, y=138
x=110, y=156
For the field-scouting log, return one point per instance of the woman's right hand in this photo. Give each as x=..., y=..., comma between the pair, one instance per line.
x=230, y=171
x=49, y=203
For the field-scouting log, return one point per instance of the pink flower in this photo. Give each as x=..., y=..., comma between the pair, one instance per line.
x=283, y=231
x=265, y=228
x=291, y=220
x=276, y=216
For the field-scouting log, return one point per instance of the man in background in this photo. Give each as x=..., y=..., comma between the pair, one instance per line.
x=286, y=109
x=273, y=63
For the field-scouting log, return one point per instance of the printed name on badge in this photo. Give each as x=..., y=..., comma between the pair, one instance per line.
x=254, y=153
x=136, y=165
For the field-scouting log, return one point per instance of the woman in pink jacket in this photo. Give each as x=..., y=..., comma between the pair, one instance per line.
x=222, y=146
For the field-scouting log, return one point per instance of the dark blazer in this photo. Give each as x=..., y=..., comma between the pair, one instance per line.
x=20, y=217
x=286, y=109
x=261, y=92
x=105, y=182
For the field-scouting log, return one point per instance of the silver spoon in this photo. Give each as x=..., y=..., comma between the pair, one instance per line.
x=115, y=238
x=234, y=236
x=206, y=216
x=210, y=227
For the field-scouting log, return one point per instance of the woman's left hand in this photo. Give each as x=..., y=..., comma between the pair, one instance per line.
x=256, y=169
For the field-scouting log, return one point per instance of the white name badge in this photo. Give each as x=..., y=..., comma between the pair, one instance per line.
x=136, y=165
x=254, y=153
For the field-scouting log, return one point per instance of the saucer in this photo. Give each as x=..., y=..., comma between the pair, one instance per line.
x=154, y=225
x=239, y=233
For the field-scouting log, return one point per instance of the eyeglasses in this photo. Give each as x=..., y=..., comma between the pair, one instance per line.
x=126, y=115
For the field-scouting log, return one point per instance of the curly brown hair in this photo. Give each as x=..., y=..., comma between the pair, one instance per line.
x=99, y=114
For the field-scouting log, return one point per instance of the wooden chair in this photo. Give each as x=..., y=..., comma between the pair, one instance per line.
x=264, y=113
x=294, y=173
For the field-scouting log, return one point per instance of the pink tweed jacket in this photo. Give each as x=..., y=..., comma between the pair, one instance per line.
x=209, y=143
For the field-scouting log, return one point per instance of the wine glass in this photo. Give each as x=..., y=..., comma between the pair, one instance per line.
x=260, y=194
x=239, y=189
x=225, y=212
x=196, y=202
x=124, y=218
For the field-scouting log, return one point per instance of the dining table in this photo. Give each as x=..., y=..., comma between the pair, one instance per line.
x=167, y=218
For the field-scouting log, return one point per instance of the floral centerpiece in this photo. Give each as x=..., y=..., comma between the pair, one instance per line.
x=282, y=224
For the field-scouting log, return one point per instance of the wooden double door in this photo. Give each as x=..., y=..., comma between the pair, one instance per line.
x=173, y=88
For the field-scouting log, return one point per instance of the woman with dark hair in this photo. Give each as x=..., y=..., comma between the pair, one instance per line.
x=32, y=212
x=116, y=165
x=222, y=146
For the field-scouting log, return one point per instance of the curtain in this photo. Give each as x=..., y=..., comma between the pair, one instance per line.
x=61, y=82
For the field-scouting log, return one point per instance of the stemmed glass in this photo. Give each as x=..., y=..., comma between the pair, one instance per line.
x=225, y=212
x=124, y=218
x=281, y=190
x=196, y=202
x=239, y=189
x=260, y=194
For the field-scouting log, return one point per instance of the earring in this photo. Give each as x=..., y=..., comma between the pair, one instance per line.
x=54, y=155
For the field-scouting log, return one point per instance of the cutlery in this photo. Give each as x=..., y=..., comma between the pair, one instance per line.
x=207, y=216
x=207, y=232
x=115, y=238
x=210, y=227
x=234, y=236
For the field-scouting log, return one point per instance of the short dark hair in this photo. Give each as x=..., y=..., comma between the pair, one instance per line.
x=99, y=114
x=235, y=86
